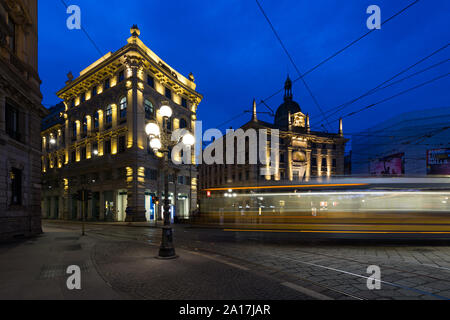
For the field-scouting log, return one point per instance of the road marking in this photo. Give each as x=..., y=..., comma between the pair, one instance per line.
x=438, y=267
x=364, y=277
x=306, y=291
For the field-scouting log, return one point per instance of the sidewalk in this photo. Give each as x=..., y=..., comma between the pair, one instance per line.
x=36, y=268
x=119, y=224
x=117, y=269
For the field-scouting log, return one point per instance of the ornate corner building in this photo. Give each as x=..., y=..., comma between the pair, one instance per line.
x=97, y=141
x=303, y=153
x=21, y=112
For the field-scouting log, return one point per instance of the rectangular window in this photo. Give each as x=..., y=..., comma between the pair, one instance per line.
x=83, y=97
x=180, y=180
x=121, y=76
x=150, y=81
x=94, y=91
x=95, y=149
x=73, y=156
x=83, y=153
x=123, y=108
x=324, y=163
x=109, y=115
x=96, y=121
x=16, y=186
x=314, y=162
x=121, y=144
x=108, y=147
x=12, y=122
x=184, y=102
x=168, y=93
x=107, y=84
x=334, y=163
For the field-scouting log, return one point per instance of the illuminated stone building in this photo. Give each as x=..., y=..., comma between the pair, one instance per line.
x=20, y=118
x=303, y=153
x=100, y=144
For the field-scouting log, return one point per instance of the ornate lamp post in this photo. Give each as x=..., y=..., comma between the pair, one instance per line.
x=161, y=142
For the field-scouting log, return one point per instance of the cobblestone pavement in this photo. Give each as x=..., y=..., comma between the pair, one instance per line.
x=131, y=267
x=336, y=269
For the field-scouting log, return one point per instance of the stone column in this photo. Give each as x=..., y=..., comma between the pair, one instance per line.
x=308, y=165
x=289, y=171
x=329, y=162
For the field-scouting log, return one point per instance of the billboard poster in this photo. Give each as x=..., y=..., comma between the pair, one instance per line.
x=390, y=165
x=438, y=161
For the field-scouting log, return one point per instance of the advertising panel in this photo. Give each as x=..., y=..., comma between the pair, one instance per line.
x=438, y=161
x=390, y=165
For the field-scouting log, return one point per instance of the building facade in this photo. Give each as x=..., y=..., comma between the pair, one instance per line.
x=99, y=142
x=303, y=153
x=412, y=143
x=20, y=119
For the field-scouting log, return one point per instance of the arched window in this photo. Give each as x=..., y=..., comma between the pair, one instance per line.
x=149, y=109
x=183, y=123
x=123, y=107
x=108, y=112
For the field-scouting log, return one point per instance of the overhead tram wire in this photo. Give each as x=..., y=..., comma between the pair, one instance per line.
x=343, y=49
x=396, y=95
x=292, y=61
x=379, y=87
x=334, y=55
x=86, y=33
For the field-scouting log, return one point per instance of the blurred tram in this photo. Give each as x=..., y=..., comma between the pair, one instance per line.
x=376, y=206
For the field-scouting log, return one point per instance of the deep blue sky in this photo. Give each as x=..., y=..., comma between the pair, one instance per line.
x=234, y=55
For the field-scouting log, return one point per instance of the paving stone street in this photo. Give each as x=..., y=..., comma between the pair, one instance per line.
x=265, y=266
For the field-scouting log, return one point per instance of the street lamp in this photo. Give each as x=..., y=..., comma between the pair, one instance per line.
x=161, y=142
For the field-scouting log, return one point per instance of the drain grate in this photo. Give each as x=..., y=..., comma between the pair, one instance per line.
x=59, y=271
